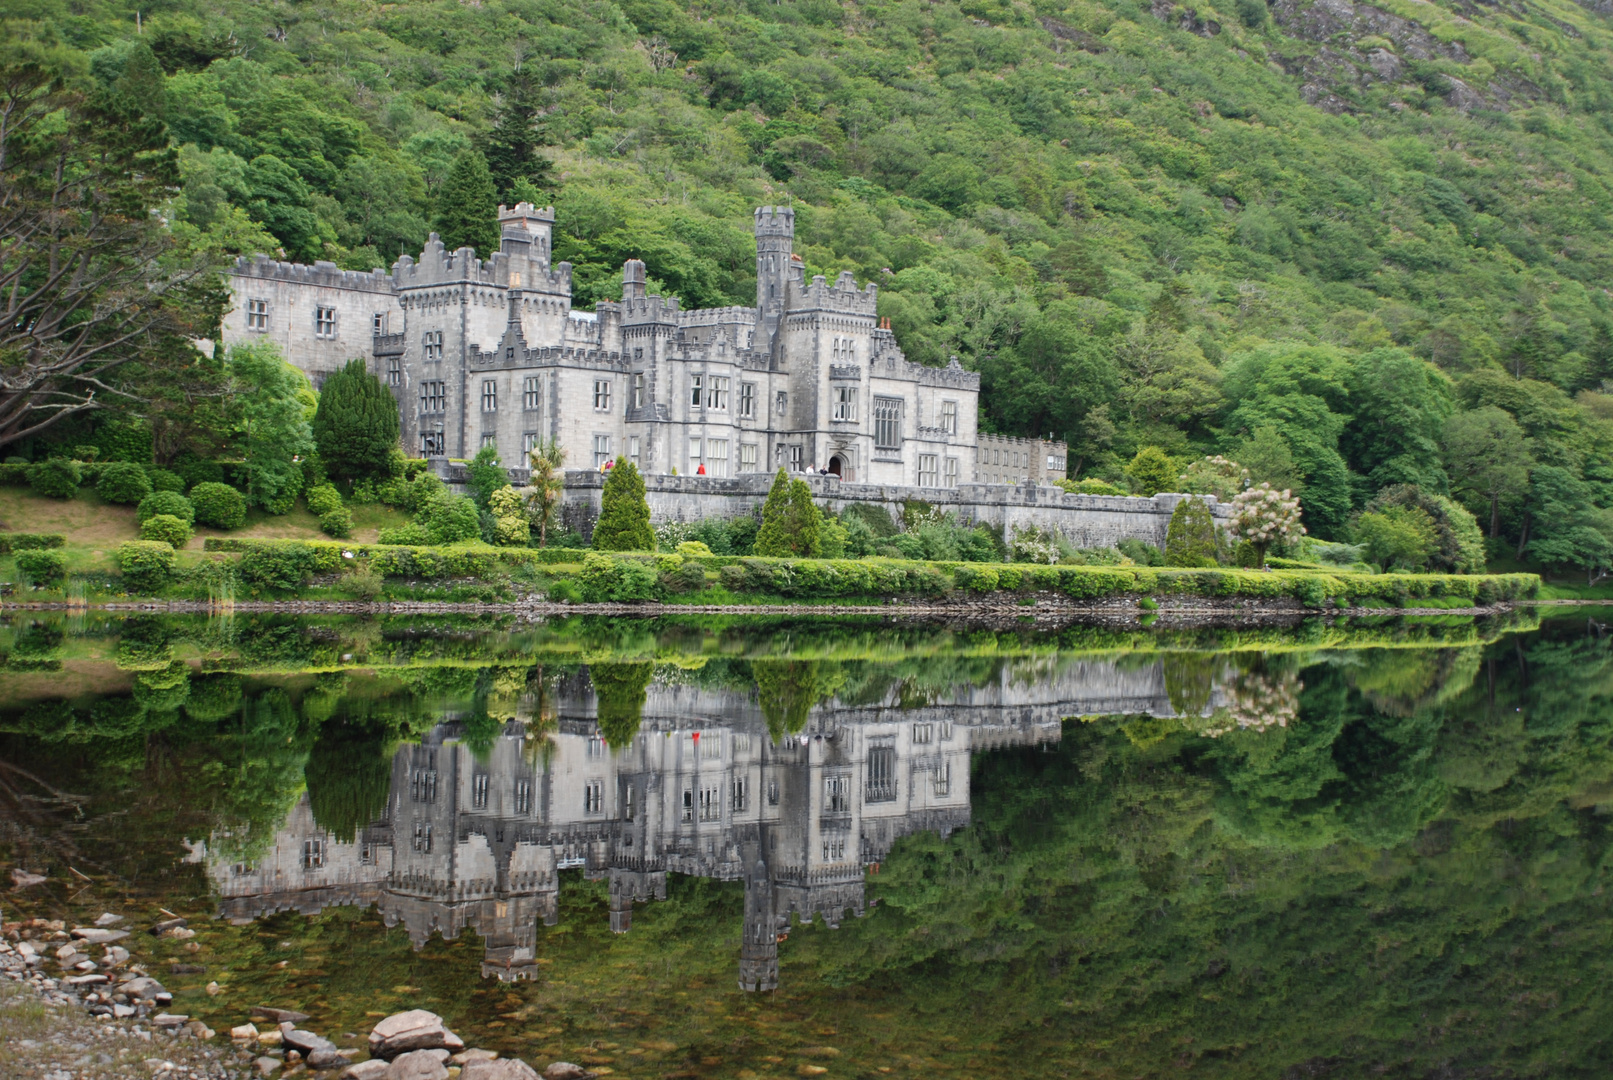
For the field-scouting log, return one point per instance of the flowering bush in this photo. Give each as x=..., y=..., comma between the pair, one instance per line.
x=1027, y=543
x=1262, y=517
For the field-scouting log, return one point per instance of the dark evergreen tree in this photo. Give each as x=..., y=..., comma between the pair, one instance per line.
x=1190, y=540
x=512, y=145
x=624, y=515
x=773, y=538
x=356, y=424
x=467, y=206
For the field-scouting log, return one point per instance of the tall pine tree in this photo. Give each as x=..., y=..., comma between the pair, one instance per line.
x=512, y=145
x=467, y=206
x=624, y=515
x=356, y=424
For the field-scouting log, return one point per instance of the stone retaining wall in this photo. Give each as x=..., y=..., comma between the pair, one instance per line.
x=1084, y=520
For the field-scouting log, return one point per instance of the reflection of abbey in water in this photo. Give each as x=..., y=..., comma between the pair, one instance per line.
x=702, y=789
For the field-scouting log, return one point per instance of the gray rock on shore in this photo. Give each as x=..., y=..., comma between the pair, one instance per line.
x=416, y=1029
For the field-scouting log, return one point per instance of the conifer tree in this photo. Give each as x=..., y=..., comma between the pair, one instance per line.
x=356, y=424
x=624, y=514
x=1190, y=540
x=512, y=145
x=773, y=537
x=792, y=525
x=467, y=206
x=806, y=520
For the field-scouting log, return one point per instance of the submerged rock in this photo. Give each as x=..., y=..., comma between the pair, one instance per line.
x=505, y=1069
x=565, y=1070
x=279, y=1016
x=418, y=1065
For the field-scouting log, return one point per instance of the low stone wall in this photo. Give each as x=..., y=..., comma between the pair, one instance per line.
x=1086, y=521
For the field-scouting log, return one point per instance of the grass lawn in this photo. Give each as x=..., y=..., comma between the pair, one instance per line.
x=92, y=525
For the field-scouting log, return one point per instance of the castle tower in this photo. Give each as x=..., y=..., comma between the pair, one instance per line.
x=633, y=280
x=775, y=240
x=526, y=230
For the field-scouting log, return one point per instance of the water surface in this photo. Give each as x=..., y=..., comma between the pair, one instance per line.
x=709, y=847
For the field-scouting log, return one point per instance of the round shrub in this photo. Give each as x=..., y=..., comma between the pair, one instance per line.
x=147, y=565
x=694, y=548
x=218, y=505
x=166, y=528
x=165, y=480
x=42, y=566
x=165, y=502
x=57, y=478
x=324, y=498
x=337, y=522
x=123, y=482
x=450, y=519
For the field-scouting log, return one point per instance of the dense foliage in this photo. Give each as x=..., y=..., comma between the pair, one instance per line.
x=1350, y=252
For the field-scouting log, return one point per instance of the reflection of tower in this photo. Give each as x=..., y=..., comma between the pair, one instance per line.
x=628, y=886
x=758, y=954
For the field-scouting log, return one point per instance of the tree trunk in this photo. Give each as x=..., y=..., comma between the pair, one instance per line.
x=1495, y=514
x=1523, y=536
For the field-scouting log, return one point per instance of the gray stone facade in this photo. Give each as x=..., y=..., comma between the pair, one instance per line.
x=490, y=352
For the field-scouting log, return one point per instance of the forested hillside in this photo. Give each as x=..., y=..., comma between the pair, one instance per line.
x=1350, y=246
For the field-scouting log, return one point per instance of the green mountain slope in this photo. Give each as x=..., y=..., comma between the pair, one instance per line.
x=1128, y=219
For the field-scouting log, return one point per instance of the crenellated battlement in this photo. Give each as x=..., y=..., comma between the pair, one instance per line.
x=320, y=274
x=662, y=309
x=842, y=297
x=775, y=221
x=718, y=316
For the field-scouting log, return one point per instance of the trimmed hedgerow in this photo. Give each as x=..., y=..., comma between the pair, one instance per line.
x=844, y=578
x=146, y=565
x=218, y=505
x=42, y=566
x=10, y=542
x=57, y=478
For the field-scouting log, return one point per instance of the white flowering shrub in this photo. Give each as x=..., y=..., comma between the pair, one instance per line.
x=1027, y=543
x=673, y=533
x=1263, y=517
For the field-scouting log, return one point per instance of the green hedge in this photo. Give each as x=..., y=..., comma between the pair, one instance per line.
x=286, y=563
x=147, y=565
x=42, y=566
x=10, y=542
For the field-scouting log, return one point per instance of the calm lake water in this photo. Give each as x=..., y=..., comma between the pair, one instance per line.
x=774, y=848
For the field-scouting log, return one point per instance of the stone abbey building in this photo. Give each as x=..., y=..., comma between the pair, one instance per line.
x=489, y=352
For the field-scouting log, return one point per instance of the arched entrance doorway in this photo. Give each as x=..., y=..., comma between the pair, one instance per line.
x=837, y=466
